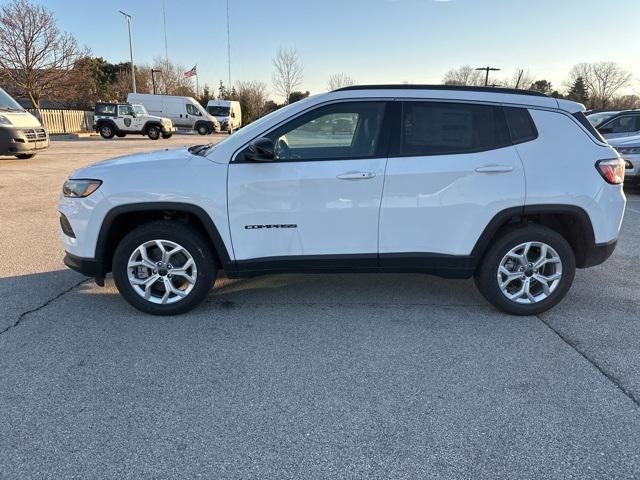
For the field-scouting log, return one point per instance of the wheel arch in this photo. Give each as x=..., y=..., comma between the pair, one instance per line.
x=207, y=123
x=108, y=121
x=570, y=221
x=151, y=123
x=117, y=221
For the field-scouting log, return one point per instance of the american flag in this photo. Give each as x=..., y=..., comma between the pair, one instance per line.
x=191, y=72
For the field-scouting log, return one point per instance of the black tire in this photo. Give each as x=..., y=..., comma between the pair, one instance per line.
x=154, y=132
x=25, y=156
x=487, y=272
x=182, y=234
x=107, y=131
x=121, y=134
x=167, y=135
x=202, y=129
x=230, y=131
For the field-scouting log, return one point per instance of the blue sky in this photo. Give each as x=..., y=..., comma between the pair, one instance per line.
x=373, y=41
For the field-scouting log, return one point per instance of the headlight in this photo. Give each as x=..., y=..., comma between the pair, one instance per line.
x=628, y=150
x=80, y=188
x=4, y=120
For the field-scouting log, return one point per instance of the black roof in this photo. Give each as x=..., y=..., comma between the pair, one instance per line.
x=464, y=88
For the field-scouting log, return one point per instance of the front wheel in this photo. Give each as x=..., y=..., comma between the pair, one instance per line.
x=166, y=136
x=203, y=129
x=153, y=132
x=527, y=270
x=164, y=268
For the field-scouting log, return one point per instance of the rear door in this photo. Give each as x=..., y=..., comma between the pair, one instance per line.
x=452, y=167
x=320, y=198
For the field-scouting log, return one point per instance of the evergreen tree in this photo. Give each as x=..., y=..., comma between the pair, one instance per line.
x=206, y=96
x=222, y=91
x=578, y=91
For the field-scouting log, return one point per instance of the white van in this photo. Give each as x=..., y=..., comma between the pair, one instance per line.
x=184, y=112
x=21, y=134
x=227, y=112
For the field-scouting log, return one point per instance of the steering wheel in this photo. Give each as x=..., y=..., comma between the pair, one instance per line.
x=282, y=149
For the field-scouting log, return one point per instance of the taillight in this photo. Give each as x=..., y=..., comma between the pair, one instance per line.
x=612, y=170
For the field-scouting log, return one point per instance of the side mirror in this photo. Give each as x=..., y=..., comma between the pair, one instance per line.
x=233, y=115
x=260, y=150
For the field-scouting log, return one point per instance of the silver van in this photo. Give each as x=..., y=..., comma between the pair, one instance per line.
x=21, y=134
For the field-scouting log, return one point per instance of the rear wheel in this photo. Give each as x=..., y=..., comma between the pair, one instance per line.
x=107, y=131
x=203, y=129
x=153, y=132
x=527, y=270
x=164, y=268
x=25, y=156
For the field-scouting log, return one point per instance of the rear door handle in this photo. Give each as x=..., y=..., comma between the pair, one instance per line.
x=494, y=169
x=356, y=176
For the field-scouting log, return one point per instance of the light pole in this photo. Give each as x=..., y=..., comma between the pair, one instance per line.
x=133, y=72
x=487, y=69
x=153, y=79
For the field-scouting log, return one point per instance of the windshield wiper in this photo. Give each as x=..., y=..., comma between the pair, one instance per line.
x=200, y=149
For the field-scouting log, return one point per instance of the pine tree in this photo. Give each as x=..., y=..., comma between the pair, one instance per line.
x=222, y=91
x=578, y=91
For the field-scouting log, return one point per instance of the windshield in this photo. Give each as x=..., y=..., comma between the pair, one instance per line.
x=218, y=111
x=596, y=119
x=8, y=103
x=140, y=110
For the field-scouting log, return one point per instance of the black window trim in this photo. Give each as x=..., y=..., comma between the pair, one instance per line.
x=382, y=150
x=394, y=150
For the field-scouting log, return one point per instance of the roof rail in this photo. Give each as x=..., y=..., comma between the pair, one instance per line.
x=464, y=88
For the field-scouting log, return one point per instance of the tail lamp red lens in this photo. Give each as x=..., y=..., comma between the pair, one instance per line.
x=612, y=170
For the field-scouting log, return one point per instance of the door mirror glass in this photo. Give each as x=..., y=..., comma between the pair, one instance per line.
x=260, y=150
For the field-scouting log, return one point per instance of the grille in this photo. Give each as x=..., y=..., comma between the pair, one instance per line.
x=35, y=134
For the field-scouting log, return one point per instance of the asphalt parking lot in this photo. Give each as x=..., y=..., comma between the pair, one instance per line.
x=291, y=376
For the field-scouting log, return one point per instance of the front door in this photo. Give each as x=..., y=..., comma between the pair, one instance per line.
x=320, y=197
x=126, y=121
x=621, y=126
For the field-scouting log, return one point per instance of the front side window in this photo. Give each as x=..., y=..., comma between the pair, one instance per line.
x=339, y=131
x=440, y=128
x=125, y=110
x=140, y=110
x=624, y=124
x=192, y=109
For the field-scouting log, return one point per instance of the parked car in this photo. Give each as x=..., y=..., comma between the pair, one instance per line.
x=227, y=112
x=184, y=112
x=598, y=116
x=513, y=188
x=620, y=124
x=629, y=149
x=122, y=119
x=21, y=134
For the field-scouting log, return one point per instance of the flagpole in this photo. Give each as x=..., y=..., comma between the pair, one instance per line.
x=197, y=86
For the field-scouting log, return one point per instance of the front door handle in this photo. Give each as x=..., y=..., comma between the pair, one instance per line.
x=494, y=169
x=356, y=176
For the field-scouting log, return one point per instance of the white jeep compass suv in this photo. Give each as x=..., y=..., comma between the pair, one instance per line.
x=511, y=187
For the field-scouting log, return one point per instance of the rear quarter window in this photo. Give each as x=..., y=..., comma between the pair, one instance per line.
x=521, y=125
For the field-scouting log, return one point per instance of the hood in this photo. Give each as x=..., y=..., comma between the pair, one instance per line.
x=159, y=159
x=633, y=141
x=20, y=118
x=158, y=119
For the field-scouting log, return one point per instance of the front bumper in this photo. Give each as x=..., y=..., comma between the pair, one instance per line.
x=168, y=129
x=89, y=267
x=16, y=140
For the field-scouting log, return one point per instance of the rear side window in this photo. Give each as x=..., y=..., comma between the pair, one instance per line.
x=521, y=125
x=105, y=109
x=580, y=117
x=440, y=128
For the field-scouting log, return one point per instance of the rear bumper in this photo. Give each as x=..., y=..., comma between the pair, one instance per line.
x=598, y=254
x=89, y=267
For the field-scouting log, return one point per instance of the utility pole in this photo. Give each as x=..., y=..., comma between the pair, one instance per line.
x=487, y=69
x=153, y=79
x=519, y=77
x=228, y=46
x=133, y=72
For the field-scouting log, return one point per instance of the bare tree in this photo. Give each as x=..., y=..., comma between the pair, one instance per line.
x=171, y=80
x=34, y=55
x=521, y=79
x=602, y=79
x=252, y=96
x=340, y=80
x=465, y=75
x=287, y=74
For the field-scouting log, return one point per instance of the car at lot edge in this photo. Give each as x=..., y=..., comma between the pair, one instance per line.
x=629, y=150
x=617, y=124
x=21, y=134
x=185, y=112
x=513, y=188
x=122, y=119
